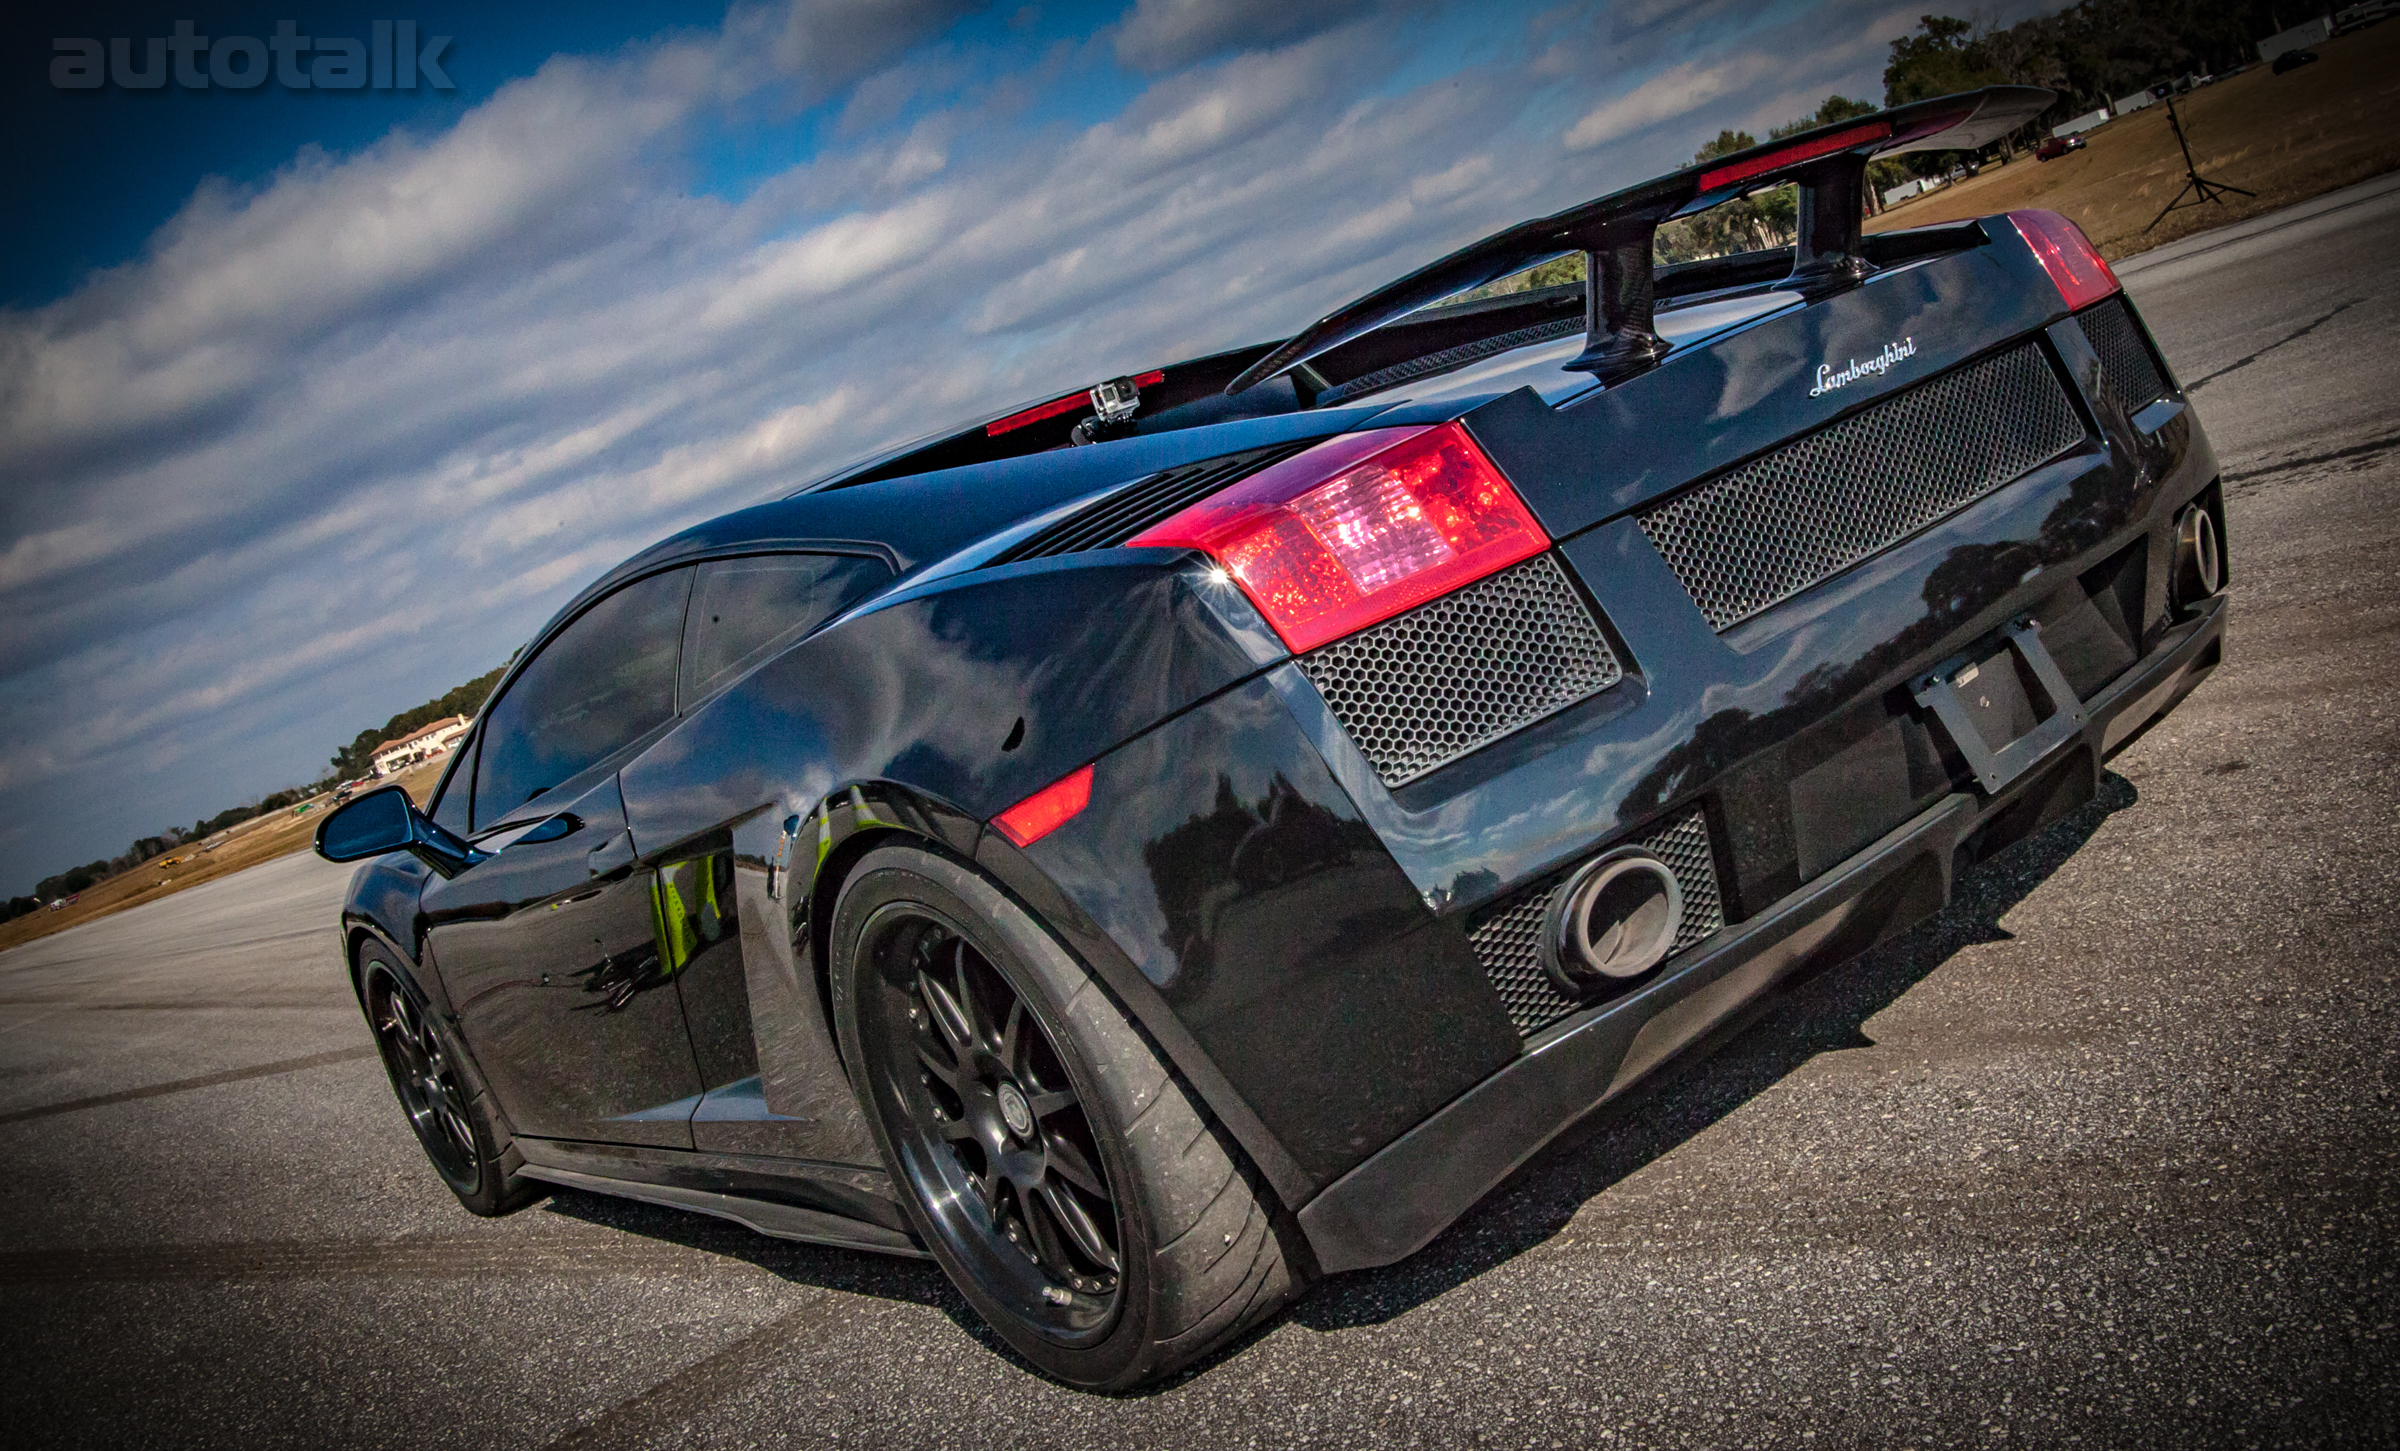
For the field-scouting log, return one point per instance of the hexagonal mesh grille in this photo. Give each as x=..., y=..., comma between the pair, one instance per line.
x=1793, y=518
x=2126, y=368
x=1429, y=686
x=1509, y=941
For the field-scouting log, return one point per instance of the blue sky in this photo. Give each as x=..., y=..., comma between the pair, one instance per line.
x=314, y=404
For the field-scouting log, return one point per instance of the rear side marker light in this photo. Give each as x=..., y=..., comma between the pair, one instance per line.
x=1046, y=810
x=2074, y=264
x=1359, y=529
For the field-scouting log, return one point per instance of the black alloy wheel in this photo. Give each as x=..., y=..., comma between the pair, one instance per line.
x=989, y=1129
x=427, y=1081
x=1070, y=1182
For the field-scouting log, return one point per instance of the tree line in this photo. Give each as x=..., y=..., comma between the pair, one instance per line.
x=2090, y=53
x=352, y=760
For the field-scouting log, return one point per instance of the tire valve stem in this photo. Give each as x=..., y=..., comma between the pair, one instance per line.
x=1055, y=1294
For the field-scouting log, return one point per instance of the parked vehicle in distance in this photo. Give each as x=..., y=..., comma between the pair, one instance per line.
x=2292, y=60
x=1204, y=830
x=2359, y=17
x=2058, y=146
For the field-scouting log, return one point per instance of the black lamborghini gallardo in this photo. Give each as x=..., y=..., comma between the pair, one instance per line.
x=1205, y=830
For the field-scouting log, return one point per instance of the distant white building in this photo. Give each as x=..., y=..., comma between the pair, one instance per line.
x=2084, y=122
x=418, y=745
x=2299, y=37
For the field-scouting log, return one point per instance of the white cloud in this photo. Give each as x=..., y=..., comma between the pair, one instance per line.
x=1676, y=92
x=1161, y=35
x=830, y=43
x=342, y=439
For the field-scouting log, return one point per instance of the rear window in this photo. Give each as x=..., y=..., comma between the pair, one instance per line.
x=744, y=610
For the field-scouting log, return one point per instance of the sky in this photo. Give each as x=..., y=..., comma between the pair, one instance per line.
x=316, y=403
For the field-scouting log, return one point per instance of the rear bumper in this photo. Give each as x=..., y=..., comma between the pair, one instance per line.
x=1392, y=1203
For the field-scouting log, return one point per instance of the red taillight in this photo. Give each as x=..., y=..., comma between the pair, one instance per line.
x=1046, y=810
x=2068, y=256
x=1360, y=528
x=1785, y=156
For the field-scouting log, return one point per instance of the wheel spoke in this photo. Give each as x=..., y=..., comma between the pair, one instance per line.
x=956, y=1130
x=1010, y=1042
x=404, y=1044
x=946, y=1072
x=1079, y=1225
x=1068, y=1162
x=456, y=1128
x=1050, y=1102
x=947, y=1015
x=1043, y=1229
x=971, y=1014
x=404, y=1016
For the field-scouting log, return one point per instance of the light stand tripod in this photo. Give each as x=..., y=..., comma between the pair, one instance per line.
x=2196, y=188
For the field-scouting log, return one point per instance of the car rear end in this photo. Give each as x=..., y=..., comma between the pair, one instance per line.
x=1777, y=634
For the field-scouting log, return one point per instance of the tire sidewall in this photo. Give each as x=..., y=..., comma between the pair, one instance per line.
x=496, y=1190
x=1047, y=980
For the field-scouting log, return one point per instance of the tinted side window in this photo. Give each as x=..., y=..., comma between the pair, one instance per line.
x=450, y=808
x=746, y=609
x=602, y=681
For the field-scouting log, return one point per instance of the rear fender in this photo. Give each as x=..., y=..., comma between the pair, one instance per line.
x=918, y=718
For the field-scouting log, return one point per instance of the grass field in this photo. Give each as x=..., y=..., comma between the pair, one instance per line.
x=2287, y=137
x=259, y=839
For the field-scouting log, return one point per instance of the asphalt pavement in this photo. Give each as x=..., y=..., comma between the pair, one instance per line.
x=2104, y=1155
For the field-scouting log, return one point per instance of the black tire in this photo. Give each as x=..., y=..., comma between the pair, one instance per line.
x=453, y=1118
x=1201, y=1250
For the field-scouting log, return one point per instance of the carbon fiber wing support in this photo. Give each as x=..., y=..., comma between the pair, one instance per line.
x=1615, y=232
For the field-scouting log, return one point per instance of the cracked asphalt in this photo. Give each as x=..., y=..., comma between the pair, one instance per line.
x=2103, y=1155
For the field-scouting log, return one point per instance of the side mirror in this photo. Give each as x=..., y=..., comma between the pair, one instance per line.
x=384, y=821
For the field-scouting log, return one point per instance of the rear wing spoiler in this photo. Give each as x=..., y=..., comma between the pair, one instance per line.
x=1615, y=232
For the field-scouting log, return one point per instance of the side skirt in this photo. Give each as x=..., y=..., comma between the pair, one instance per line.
x=577, y=1166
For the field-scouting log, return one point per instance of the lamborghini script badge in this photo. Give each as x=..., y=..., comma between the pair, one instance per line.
x=1830, y=377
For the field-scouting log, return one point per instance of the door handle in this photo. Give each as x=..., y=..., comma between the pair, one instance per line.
x=611, y=854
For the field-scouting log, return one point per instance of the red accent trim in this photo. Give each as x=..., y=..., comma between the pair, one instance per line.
x=1359, y=528
x=2081, y=274
x=1056, y=406
x=1792, y=155
x=1037, y=413
x=1048, y=809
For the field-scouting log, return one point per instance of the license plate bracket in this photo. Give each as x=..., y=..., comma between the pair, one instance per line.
x=2010, y=689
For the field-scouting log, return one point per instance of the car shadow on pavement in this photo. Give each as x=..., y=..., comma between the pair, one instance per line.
x=1824, y=1010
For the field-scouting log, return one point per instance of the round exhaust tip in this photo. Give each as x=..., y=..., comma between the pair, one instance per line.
x=1615, y=919
x=2199, y=565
